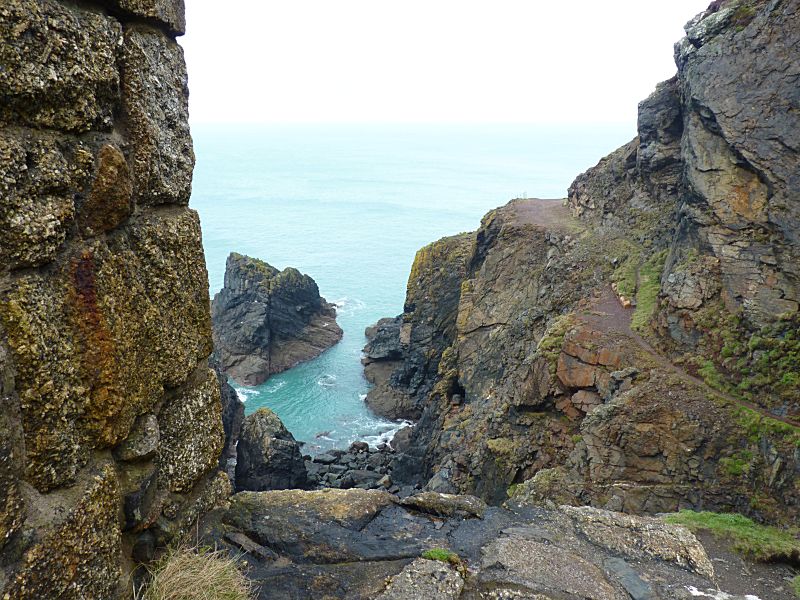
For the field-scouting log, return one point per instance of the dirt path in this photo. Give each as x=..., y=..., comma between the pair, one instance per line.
x=551, y=214
x=606, y=313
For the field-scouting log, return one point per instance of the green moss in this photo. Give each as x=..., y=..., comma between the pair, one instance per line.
x=758, y=542
x=758, y=426
x=648, y=290
x=577, y=438
x=737, y=465
x=550, y=345
x=796, y=586
x=443, y=555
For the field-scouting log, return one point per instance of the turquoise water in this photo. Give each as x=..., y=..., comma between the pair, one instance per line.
x=350, y=205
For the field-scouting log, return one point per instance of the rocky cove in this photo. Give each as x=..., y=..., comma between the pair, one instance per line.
x=575, y=369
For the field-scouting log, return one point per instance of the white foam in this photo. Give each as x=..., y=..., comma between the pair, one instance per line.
x=245, y=393
x=362, y=397
x=274, y=387
x=388, y=429
x=327, y=380
x=346, y=306
x=716, y=594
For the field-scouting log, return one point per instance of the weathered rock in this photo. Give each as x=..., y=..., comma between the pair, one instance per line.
x=515, y=563
x=155, y=103
x=166, y=13
x=267, y=321
x=268, y=457
x=446, y=505
x=641, y=536
x=78, y=553
x=402, y=355
x=301, y=544
x=430, y=579
x=60, y=66
x=142, y=442
x=692, y=226
x=110, y=430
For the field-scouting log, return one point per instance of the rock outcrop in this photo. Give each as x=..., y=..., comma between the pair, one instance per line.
x=635, y=346
x=105, y=329
x=266, y=321
x=365, y=544
x=267, y=456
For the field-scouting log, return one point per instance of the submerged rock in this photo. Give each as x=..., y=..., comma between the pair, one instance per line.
x=266, y=321
x=268, y=457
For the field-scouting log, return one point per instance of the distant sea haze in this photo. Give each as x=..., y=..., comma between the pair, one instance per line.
x=350, y=205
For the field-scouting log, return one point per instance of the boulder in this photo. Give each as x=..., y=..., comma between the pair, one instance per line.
x=268, y=457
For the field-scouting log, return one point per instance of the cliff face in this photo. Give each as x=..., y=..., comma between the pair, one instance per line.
x=104, y=320
x=637, y=348
x=267, y=321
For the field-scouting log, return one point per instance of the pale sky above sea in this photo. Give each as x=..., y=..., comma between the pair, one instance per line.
x=460, y=61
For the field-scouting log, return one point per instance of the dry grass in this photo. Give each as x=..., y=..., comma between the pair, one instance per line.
x=196, y=574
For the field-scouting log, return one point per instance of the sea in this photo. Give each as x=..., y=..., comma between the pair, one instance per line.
x=350, y=205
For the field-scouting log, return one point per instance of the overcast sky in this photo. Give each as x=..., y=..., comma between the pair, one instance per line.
x=265, y=61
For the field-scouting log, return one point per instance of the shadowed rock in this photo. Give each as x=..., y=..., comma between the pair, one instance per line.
x=268, y=457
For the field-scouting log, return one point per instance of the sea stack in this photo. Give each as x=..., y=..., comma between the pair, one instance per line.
x=266, y=321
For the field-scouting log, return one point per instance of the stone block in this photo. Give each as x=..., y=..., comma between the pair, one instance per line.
x=155, y=107
x=59, y=66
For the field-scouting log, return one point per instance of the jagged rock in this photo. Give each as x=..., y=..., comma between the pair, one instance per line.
x=402, y=355
x=267, y=321
x=268, y=457
x=693, y=227
x=232, y=416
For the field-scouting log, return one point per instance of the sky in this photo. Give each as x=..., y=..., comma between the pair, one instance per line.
x=459, y=61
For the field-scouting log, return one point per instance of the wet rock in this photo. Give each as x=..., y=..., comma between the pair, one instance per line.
x=266, y=321
x=268, y=457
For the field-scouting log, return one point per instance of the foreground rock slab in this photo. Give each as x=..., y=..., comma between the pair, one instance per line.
x=367, y=544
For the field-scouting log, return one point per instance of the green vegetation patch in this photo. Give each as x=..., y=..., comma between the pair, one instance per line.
x=737, y=465
x=442, y=555
x=648, y=290
x=757, y=426
x=796, y=586
x=757, y=542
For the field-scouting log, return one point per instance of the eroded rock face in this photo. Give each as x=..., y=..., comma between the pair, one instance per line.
x=267, y=321
x=268, y=457
x=104, y=322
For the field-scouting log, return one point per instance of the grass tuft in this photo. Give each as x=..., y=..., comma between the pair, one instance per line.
x=197, y=574
x=796, y=586
x=758, y=542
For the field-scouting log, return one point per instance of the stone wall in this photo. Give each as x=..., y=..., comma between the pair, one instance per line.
x=104, y=308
